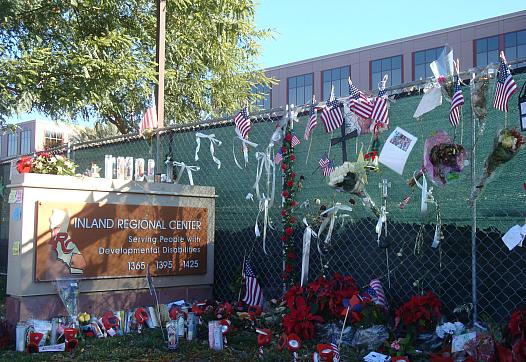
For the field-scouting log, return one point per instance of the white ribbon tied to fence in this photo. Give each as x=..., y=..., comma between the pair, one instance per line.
x=307, y=236
x=213, y=140
x=330, y=219
x=424, y=196
x=189, y=169
x=265, y=203
x=245, y=143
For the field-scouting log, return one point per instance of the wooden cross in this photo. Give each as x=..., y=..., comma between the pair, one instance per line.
x=343, y=139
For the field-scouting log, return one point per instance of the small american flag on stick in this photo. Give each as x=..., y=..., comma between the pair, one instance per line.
x=331, y=115
x=506, y=86
x=380, y=110
x=242, y=122
x=295, y=140
x=253, y=293
x=358, y=102
x=456, y=102
x=149, y=120
x=313, y=120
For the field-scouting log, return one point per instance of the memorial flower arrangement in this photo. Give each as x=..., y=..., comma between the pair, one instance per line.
x=46, y=163
x=508, y=142
x=399, y=347
x=442, y=157
x=420, y=314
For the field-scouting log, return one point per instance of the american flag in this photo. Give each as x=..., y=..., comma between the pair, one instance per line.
x=253, y=294
x=242, y=122
x=313, y=122
x=506, y=86
x=456, y=102
x=358, y=102
x=326, y=165
x=380, y=111
x=331, y=115
x=379, y=291
x=278, y=157
x=295, y=140
x=336, y=352
x=149, y=120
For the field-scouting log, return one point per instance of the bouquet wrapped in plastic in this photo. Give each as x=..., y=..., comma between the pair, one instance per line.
x=68, y=291
x=507, y=144
x=442, y=157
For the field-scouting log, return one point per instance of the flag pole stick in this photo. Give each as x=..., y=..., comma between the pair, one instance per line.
x=343, y=326
x=308, y=151
x=242, y=274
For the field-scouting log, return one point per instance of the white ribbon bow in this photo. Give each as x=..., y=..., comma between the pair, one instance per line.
x=189, y=169
x=265, y=203
x=330, y=219
x=213, y=140
x=307, y=235
x=422, y=186
x=245, y=143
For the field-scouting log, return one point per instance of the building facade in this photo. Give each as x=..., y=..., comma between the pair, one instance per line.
x=404, y=60
x=33, y=136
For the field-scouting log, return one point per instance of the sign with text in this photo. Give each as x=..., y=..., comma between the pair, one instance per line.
x=88, y=240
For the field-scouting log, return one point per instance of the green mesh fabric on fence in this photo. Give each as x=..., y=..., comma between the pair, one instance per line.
x=446, y=270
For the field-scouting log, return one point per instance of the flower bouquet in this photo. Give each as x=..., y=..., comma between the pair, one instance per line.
x=399, y=349
x=442, y=157
x=507, y=145
x=68, y=291
x=47, y=164
x=349, y=177
x=420, y=314
x=479, y=96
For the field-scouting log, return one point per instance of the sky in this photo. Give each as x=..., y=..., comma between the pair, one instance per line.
x=306, y=29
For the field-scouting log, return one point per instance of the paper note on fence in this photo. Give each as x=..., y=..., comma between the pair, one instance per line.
x=396, y=150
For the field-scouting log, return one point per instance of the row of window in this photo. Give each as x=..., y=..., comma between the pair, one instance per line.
x=20, y=143
x=300, y=88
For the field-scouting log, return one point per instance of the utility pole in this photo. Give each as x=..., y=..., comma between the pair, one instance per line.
x=160, y=59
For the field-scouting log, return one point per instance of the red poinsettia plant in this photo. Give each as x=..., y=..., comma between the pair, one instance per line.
x=517, y=323
x=300, y=319
x=330, y=294
x=420, y=314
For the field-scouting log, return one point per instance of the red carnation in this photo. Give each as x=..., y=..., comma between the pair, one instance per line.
x=289, y=231
x=283, y=149
x=285, y=194
x=293, y=203
x=283, y=166
x=283, y=213
x=290, y=183
x=292, y=157
x=293, y=220
x=288, y=137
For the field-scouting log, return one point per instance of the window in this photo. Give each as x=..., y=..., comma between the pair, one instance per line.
x=12, y=145
x=338, y=78
x=52, y=139
x=486, y=51
x=300, y=89
x=515, y=46
x=25, y=142
x=262, y=103
x=391, y=66
x=421, y=61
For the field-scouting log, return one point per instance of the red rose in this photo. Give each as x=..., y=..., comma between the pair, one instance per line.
x=292, y=255
x=283, y=149
x=293, y=220
x=292, y=157
x=289, y=231
x=293, y=174
x=290, y=183
x=288, y=137
x=283, y=213
x=288, y=268
x=285, y=194
x=283, y=166
x=293, y=203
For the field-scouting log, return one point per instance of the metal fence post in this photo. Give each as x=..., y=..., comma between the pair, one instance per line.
x=473, y=211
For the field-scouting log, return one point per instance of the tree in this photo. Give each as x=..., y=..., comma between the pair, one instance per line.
x=96, y=59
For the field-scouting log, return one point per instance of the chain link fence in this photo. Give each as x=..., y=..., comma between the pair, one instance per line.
x=409, y=265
